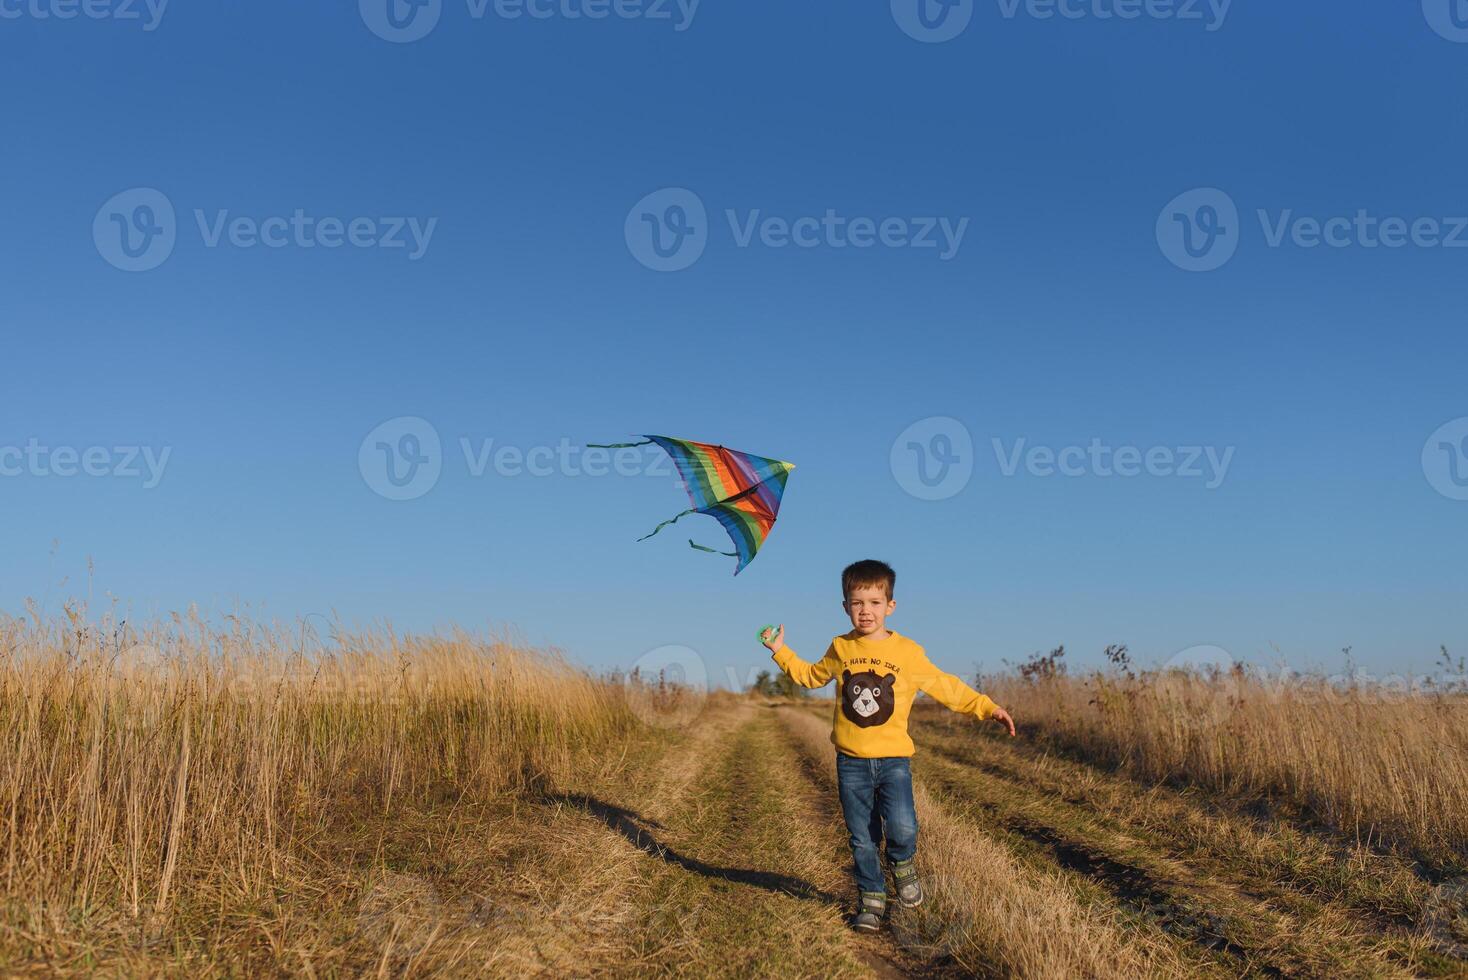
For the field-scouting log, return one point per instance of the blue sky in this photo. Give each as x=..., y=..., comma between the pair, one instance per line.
x=529, y=152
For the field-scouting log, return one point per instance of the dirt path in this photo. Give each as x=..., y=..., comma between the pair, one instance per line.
x=718, y=849
x=1262, y=897
x=987, y=914
x=751, y=873
x=710, y=851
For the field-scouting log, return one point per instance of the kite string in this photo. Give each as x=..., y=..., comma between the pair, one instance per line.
x=618, y=445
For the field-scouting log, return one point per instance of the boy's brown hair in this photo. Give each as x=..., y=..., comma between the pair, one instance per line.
x=867, y=572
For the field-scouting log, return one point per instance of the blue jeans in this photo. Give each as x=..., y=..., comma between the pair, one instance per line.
x=876, y=797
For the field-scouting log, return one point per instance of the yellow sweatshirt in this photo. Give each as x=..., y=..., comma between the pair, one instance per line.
x=879, y=679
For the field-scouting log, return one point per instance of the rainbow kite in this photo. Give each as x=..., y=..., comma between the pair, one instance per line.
x=741, y=490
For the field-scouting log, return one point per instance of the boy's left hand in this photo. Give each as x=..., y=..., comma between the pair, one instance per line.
x=1003, y=717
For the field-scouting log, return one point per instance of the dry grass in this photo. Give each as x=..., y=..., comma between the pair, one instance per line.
x=179, y=774
x=248, y=800
x=1386, y=767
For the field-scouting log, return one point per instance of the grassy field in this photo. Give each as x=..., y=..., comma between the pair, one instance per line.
x=182, y=801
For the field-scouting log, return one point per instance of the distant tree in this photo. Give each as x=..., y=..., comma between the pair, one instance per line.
x=788, y=688
x=780, y=686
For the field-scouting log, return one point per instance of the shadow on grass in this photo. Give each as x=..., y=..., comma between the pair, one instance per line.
x=631, y=826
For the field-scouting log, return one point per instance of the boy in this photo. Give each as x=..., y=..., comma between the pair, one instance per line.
x=880, y=673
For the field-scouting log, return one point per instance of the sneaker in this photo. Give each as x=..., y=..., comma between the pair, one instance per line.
x=909, y=889
x=869, y=911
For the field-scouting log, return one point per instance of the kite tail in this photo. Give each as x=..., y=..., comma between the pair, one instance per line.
x=618, y=445
x=727, y=554
x=664, y=524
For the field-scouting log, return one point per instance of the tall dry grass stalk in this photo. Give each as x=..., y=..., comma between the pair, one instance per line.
x=1382, y=765
x=141, y=767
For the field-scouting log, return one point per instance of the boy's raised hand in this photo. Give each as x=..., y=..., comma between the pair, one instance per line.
x=1003, y=717
x=773, y=637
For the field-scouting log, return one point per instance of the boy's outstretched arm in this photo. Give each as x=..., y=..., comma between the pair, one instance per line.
x=950, y=691
x=802, y=672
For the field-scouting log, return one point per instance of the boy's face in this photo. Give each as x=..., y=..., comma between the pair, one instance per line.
x=869, y=608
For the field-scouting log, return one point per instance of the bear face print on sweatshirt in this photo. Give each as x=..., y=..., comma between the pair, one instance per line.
x=879, y=679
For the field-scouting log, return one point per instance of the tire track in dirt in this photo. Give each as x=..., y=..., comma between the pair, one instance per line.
x=1278, y=860
x=1212, y=906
